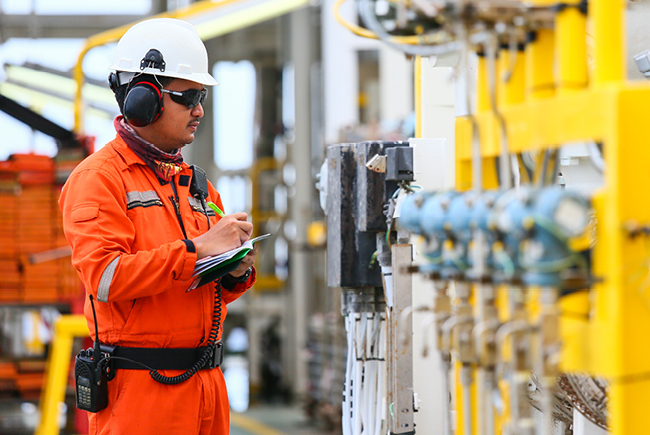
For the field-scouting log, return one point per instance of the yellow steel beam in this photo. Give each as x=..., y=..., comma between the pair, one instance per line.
x=623, y=298
x=37, y=99
x=235, y=18
x=58, y=85
x=65, y=330
x=549, y=122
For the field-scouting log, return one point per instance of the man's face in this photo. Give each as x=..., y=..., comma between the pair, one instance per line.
x=177, y=123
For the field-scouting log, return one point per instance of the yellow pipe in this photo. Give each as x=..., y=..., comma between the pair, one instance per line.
x=482, y=85
x=114, y=35
x=539, y=66
x=418, y=96
x=514, y=91
x=500, y=67
x=609, y=44
x=483, y=105
x=65, y=330
x=464, y=136
x=571, y=25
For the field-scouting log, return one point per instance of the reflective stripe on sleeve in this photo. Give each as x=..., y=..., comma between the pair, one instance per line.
x=105, y=282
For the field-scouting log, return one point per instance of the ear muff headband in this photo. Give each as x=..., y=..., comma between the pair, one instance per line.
x=142, y=104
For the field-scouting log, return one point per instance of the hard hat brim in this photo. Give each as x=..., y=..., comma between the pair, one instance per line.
x=202, y=78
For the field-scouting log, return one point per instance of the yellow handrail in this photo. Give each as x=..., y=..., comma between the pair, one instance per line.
x=65, y=330
x=270, y=281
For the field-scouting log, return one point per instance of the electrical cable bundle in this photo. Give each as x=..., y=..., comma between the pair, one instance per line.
x=365, y=375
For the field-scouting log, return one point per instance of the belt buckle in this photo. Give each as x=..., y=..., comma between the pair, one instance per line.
x=217, y=357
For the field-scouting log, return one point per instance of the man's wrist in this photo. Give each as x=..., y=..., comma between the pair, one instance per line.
x=229, y=281
x=244, y=276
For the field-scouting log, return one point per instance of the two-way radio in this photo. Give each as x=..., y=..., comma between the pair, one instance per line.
x=91, y=375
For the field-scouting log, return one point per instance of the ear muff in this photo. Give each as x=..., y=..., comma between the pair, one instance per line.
x=113, y=81
x=142, y=104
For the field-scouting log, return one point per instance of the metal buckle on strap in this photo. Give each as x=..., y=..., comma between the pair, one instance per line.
x=217, y=357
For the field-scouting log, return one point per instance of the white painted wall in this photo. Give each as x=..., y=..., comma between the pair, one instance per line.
x=396, y=84
x=434, y=169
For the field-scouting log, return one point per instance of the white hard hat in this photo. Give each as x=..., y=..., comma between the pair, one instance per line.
x=165, y=47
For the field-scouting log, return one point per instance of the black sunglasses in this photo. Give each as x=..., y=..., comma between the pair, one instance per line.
x=189, y=98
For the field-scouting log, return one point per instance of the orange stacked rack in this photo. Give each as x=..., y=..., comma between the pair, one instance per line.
x=34, y=257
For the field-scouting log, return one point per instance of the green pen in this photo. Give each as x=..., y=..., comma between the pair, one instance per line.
x=216, y=209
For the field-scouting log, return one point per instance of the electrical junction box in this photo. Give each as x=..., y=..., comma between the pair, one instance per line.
x=356, y=196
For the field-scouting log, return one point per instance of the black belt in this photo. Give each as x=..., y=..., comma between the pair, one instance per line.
x=136, y=358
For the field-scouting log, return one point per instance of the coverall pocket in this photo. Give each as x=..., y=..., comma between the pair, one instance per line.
x=85, y=212
x=133, y=315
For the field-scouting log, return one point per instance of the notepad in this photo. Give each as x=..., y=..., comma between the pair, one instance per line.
x=213, y=267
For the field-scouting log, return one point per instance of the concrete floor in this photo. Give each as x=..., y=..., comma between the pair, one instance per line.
x=273, y=420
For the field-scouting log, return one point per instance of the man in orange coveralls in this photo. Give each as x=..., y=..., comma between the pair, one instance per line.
x=137, y=229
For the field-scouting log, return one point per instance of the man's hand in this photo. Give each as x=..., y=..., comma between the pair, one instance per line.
x=229, y=233
x=246, y=262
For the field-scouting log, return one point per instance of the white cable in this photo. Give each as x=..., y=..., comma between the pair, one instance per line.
x=516, y=171
x=347, y=391
x=381, y=374
x=364, y=401
x=366, y=383
x=373, y=375
x=381, y=382
x=368, y=411
x=356, y=387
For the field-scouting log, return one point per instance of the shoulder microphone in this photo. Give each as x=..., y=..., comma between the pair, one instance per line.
x=199, y=188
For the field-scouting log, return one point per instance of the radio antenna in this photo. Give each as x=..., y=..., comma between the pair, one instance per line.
x=96, y=349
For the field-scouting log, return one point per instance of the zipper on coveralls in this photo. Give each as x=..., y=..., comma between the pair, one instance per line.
x=176, y=202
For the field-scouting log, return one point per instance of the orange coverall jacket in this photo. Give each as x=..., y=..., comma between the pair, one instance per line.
x=127, y=245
